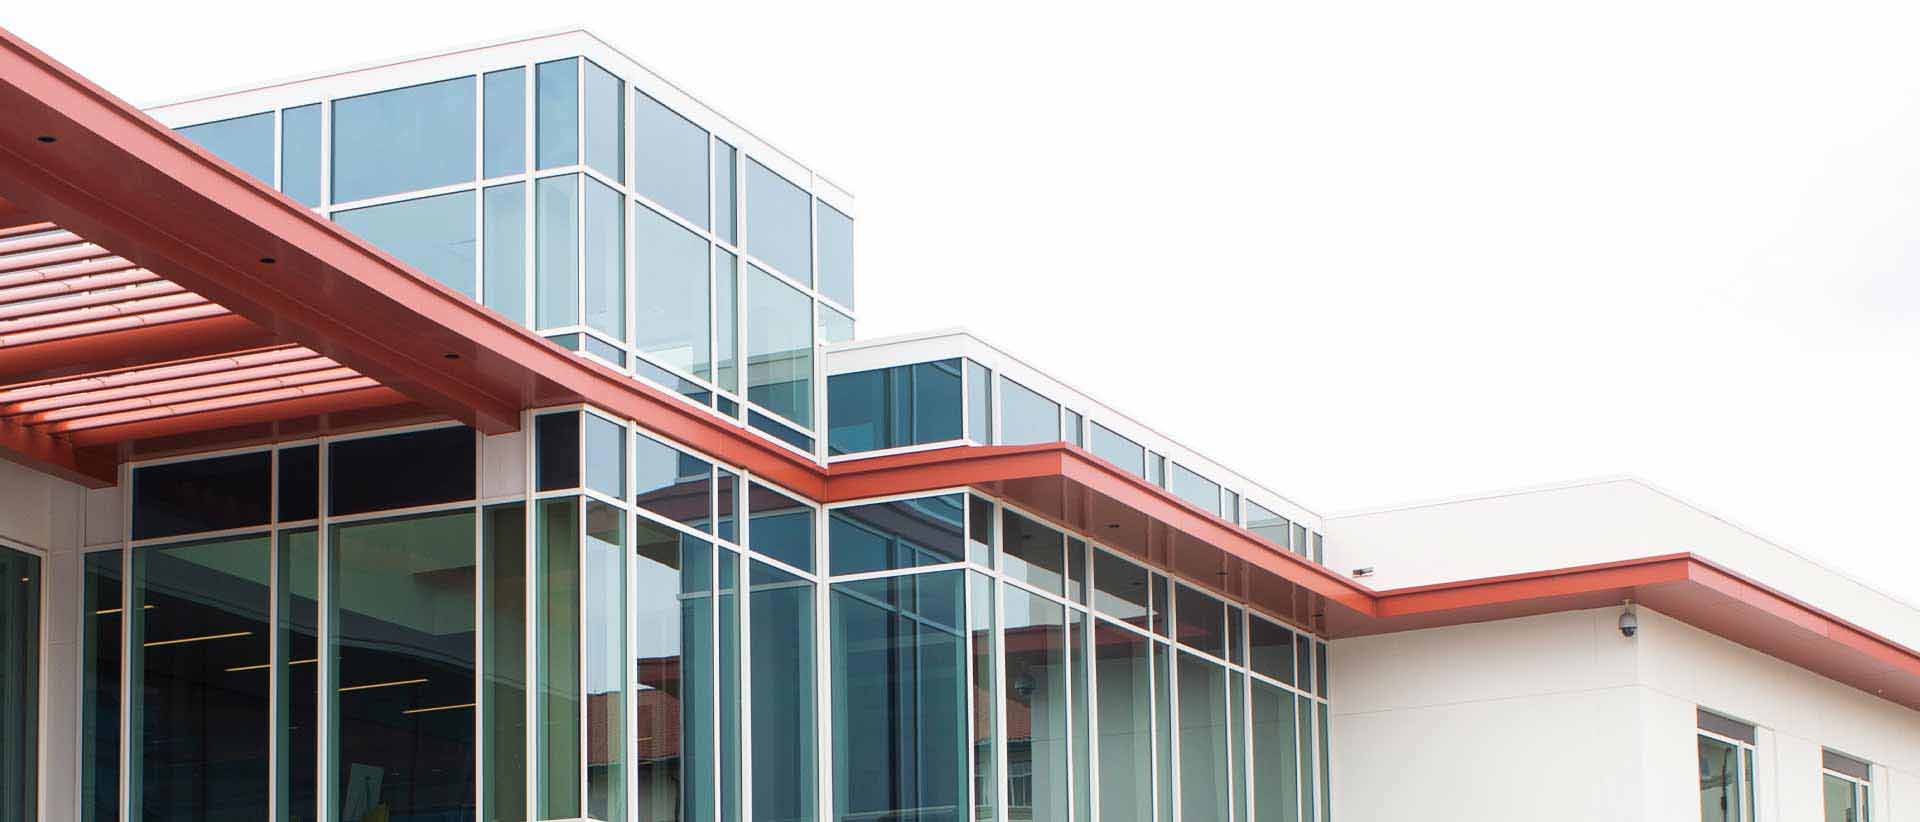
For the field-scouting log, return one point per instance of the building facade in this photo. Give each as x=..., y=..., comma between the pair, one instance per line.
x=485, y=435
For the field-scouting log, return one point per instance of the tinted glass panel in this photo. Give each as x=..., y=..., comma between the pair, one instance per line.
x=406, y=139
x=673, y=654
x=1120, y=589
x=778, y=228
x=606, y=123
x=1201, y=620
x=783, y=695
x=980, y=531
x=781, y=431
x=1719, y=781
x=299, y=483
x=20, y=686
x=893, y=407
x=1123, y=676
x=300, y=154
x=902, y=534
x=401, y=470
x=836, y=254
x=780, y=527
x=726, y=312
x=779, y=347
x=503, y=593
x=557, y=113
x=201, y=495
x=982, y=617
x=1035, y=693
x=1072, y=432
x=503, y=228
x=1272, y=526
x=672, y=483
x=670, y=293
x=606, y=261
x=1194, y=488
x=432, y=234
x=556, y=668
x=200, y=727
x=1033, y=553
x=296, y=672
x=1118, y=450
x=1276, y=757
x=403, y=653
x=1026, y=417
x=604, y=583
x=900, y=698
x=835, y=327
x=979, y=403
x=725, y=208
x=557, y=251
x=100, y=654
x=245, y=142
x=1203, y=739
x=606, y=443
x=1272, y=650
x=504, y=132
x=670, y=162
x=556, y=453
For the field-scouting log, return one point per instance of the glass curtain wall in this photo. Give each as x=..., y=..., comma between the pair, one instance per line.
x=19, y=685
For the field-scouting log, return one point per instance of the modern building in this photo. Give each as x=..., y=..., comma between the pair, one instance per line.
x=485, y=436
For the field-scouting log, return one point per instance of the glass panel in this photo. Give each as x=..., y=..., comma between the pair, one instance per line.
x=1237, y=745
x=1123, y=668
x=1036, y=702
x=1072, y=433
x=673, y=655
x=1235, y=643
x=1163, y=724
x=672, y=483
x=556, y=451
x=1303, y=662
x=244, y=142
x=504, y=130
x=780, y=526
x=893, y=407
x=1303, y=711
x=726, y=315
x=503, y=226
x=606, y=456
x=1194, y=488
x=1271, y=650
x=835, y=327
x=201, y=495
x=670, y=162
x=1319, y=548
x=200, y=746
x=779, y=347
x=1120, y=589
x=557, y=251
x=557, y=113
x=606, y=261
x=100, y=655
x=904, y=534
x=1202, y=623
x=1320, y=669
x=1203, y=739
x=605, y=612
x=1156, y=469
x=1719, y=781
x=405, y=139
x=1267, y=524
x=557, y=660
x=900, y=698
x=980, y=531
x=1326, y=769
x=432, y=234
x=670, y=293
x=729, y=707
x=20, y=686
x=1026, y=417
x=780, y=431
x=1032, y=553
x=1300, y=539
x=1118, y=450
x=1839, y=795
x=783, y=694
x=1162, y=596
x=300, y=154
x=400, y=470
x=606, y=120
x=778, y=228
x=503, y=593
x=982, y=617
x=836, y=253
x=725, y=507
x=979, y=403
x=1276, y=756
x=726, y=211
x=299, y=483
x=1076, y=570
x=1082, y=715
x=296, y=670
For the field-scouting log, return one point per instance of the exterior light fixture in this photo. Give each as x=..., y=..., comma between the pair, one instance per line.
x=47, y=138
x=1363, y=572
x=1629, y=623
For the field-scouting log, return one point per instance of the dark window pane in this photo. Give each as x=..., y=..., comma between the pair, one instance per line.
x=1033, y=553
x=606, y=456
x=1320, y=669
x=401, y=470
x=1118, y=450
x=557, y=113
x=504, y=134
x=503, y=229
x=1162, y=594
x=1272, y=650
x=980, y=531
x=894, y=407
x=20, y=686
x=405, y=139
x=1025, y=416
x=672, y=483
x=201, y=495
x=782, y=432
x=1303, y=662
x=778, y=228
x=781, y=636
x=432, y=234
x=979, y=403
x=299, y=483
x=296, y=670
x=1076, y=570
x=902, y=534
x=300, y=154
x=245, y=142
x=670, y=163
x=200, y=728
x=1120, y=589
x=1202, y=623
x=402, y=643
x=100, y=654
x=780, y=527
x=606, y=119
x=900, y=698
x=836, y=254
x=556, y=451
x=503, y=592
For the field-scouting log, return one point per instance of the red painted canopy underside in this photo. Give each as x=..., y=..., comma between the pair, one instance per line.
x=154, y=299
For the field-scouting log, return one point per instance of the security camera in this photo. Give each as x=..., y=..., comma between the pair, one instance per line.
x=1629, y=623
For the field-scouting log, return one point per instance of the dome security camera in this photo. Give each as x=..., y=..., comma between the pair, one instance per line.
x=1629, y=623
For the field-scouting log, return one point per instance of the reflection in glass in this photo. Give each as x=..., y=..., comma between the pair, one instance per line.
x=726, y=211
x=1118, y=450
x=893, y=407
x=606, y=260
x=979, y=403
x=211, y=494
x=557, y=251
x=836, y=254
x=1082, y=720
x=432, y=234
x=1326, y=769
x=1203, y=739
x=244, y=142
x=783, y=732
x=1237, y=742
x=670, y=162
x=779, y=230
x=1025, y=416
x=503, y=592
x=299, y=491
x=902, y=534
x=1036, y=699
x=1032, y=553
x=603, y=558
x=503, y=228
x=726, y=315
x=1303, y=727
x=900, y=698
x=1120, y=589
x=100, y=654
x=670, y=293
x=296, y=778
x=404, y=139
x=1202, y=623
x=606, y=128
x=199, y=746
x=673, y=655
x=1271, y=650
x=1194, y=488
x=982, y=617
x=1123, y=672
x=402, y=645
x=504, y=131
x=779, y=347
x=557, y=113
x=672, y=483
x=1720, y=781
x=728, y=710
x=835, y=327
x=1276, y=757
x=1163, y=727
x=20, y=684
x=300, y=154
x=780, y=526
x=606, y=455
x=557, y=659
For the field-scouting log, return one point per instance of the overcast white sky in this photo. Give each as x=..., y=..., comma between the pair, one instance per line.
x=1364, y=252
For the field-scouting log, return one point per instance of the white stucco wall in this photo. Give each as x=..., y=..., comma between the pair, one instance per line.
x=1559, y=717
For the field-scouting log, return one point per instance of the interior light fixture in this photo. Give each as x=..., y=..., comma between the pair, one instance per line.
x=186, y=639
x=266, y=665
x=371, y=685
x=437, y=708
x=105, y=611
